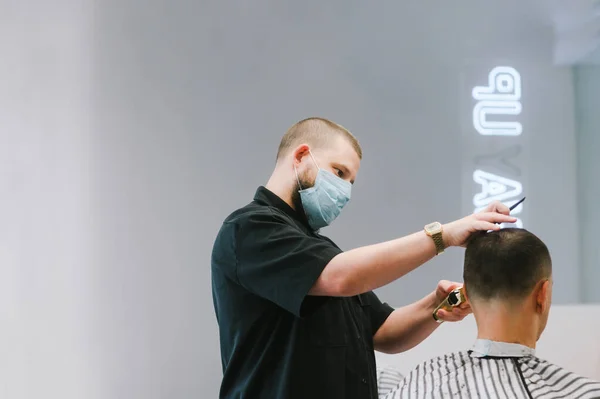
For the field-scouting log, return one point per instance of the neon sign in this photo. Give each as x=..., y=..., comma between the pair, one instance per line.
x=500, y=98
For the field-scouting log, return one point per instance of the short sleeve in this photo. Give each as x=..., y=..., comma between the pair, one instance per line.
x=278, y=261
x=378, y=311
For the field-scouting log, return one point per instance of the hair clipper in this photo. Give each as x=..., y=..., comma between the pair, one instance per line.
x=454, y=298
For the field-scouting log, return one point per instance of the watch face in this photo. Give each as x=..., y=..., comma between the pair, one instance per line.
x=433, y=228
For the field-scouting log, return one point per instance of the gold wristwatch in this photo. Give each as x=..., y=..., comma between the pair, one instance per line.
x=434, y=230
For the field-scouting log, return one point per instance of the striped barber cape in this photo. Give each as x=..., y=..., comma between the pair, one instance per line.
x=493, y=370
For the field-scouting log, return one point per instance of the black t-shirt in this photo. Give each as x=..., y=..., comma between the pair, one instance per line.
x=277, y=341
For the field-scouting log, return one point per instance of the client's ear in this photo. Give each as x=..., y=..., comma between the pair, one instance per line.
x=464, y=290
x=543, y=296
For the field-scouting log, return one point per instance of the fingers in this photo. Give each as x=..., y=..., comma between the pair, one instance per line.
x=498, y=207
x=494, y=217
x=457, y=314
x=444, y=315
x=447, y=286
x=485, y=226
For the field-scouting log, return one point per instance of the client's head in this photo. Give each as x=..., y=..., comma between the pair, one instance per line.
x=508, y=280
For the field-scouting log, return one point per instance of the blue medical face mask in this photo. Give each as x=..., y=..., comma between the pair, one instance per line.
x=324, y=201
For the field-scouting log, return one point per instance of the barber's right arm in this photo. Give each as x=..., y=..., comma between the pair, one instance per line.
x=366, y=268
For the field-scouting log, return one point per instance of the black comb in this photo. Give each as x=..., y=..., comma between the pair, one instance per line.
x=516, y=204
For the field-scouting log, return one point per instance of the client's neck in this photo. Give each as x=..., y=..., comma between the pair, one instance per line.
x=503, y=323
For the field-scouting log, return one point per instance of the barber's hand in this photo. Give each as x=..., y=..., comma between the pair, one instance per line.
x=459, y=312
x=457, y=233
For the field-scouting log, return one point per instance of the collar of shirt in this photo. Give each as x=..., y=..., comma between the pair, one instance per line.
x=264, y=196
x=486, y=347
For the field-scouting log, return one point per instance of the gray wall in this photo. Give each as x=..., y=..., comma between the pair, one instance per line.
x=587, y=100
x=144, y=124
x=48, y=341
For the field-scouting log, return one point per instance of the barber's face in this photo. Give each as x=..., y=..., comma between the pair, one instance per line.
x=307, y=180
x=339, y=158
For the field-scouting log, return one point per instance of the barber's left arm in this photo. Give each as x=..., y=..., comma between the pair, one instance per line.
x=408, y=326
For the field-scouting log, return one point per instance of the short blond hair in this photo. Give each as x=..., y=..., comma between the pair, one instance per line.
x=316, y=132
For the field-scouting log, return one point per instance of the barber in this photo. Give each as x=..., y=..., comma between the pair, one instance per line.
x=297, y=315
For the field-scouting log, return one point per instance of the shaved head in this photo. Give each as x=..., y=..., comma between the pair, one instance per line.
x=317, y=133
x=503, y=264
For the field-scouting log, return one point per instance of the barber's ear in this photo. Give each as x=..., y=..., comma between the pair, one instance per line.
x=300, y=152
x=543, y=296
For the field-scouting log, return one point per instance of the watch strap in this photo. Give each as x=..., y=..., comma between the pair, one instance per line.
x=439, y=242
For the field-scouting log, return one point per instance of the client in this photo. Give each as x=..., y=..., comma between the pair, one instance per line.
x=508, y=281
